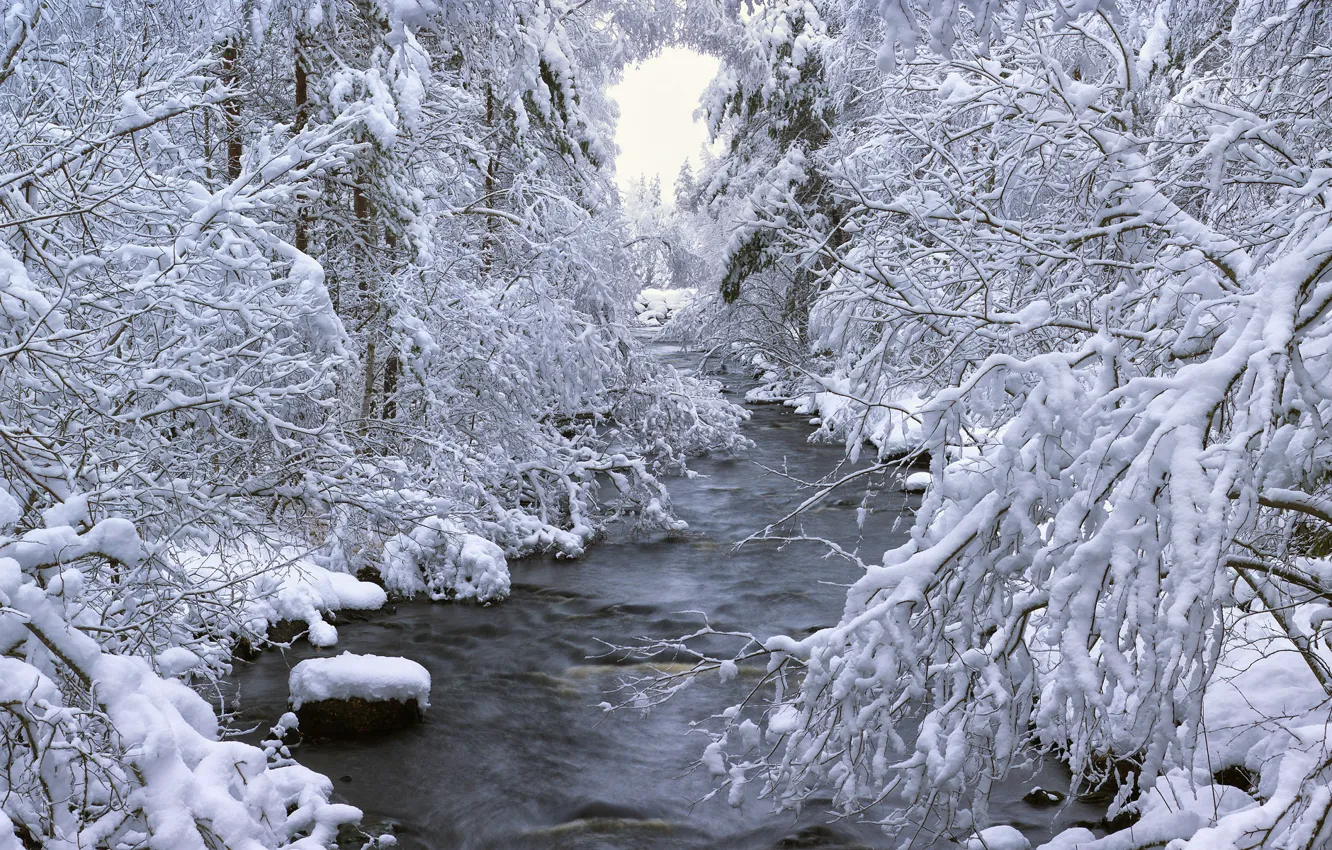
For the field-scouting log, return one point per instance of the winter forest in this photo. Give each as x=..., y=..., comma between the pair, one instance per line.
x=940, y=461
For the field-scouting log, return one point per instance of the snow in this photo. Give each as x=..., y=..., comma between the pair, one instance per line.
x=917, y=482
x=73, y=512
x=1089, y=506
x=1070, y=839
x=369, y=677
x=441, y=558
x=1178, y=792
x=955, y=89
x=657, y=306
x=188, y=781
x=8, y=839
x=10, y=510
x=1111, y=333
x=784, y=720
x=186, y=456
x=297, y=589
x=998, y=838
x=20, y=683
x=113, y=537
x=116, y=538
x=1263, y=710
x=893, y=426
x=1262, y=688
x=774, y=390
x=175, y=661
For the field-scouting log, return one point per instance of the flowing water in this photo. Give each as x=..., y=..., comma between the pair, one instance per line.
x=515, y=753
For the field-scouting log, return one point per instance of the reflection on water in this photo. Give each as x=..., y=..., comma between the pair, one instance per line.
x=515, y=752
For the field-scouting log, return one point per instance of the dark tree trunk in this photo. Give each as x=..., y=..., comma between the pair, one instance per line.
x=302, y=99
x=391, y=368
x=232, y=108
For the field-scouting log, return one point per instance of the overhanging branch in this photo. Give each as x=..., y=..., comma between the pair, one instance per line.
x=1295, y=500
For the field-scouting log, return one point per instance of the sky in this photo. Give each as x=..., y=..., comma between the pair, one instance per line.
x=657, y=130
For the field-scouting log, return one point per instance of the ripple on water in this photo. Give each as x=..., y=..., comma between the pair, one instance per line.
x=604, y=833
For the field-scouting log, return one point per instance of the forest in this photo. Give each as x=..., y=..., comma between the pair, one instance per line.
x=955, y=421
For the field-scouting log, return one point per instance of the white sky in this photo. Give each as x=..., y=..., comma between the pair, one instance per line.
x=657, y=130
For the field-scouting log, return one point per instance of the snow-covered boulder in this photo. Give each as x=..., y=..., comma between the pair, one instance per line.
x=917, y=482
x=998, y=838
x=1070, y=839
x=1179, y=792
x=1043, y=797
x=349, y=695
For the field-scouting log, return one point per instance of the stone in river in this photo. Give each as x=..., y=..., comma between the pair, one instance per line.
x=353, y=695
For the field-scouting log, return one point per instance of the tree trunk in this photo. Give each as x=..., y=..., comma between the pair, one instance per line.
x=368, y=394
x=492, y=167
x=367, y=302
x=302, y=99
x=391, y=368
x=232, y=108
x=361, y=208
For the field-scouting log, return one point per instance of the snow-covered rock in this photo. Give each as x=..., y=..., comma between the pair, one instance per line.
x=368, y=677
x=307, y=593
x=998, y=838
x=1042, y=797
x=917, y=482
x=1177, y=791
x=1070, y=839
x=351, y=695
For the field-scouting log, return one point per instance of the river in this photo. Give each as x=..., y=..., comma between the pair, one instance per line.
x=515, y=753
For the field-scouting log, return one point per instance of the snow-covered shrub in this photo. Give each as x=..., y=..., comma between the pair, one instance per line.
x=243, y=328
x=1093, y=238
x=442, y=559
x=500, y=389
x=108, y=748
